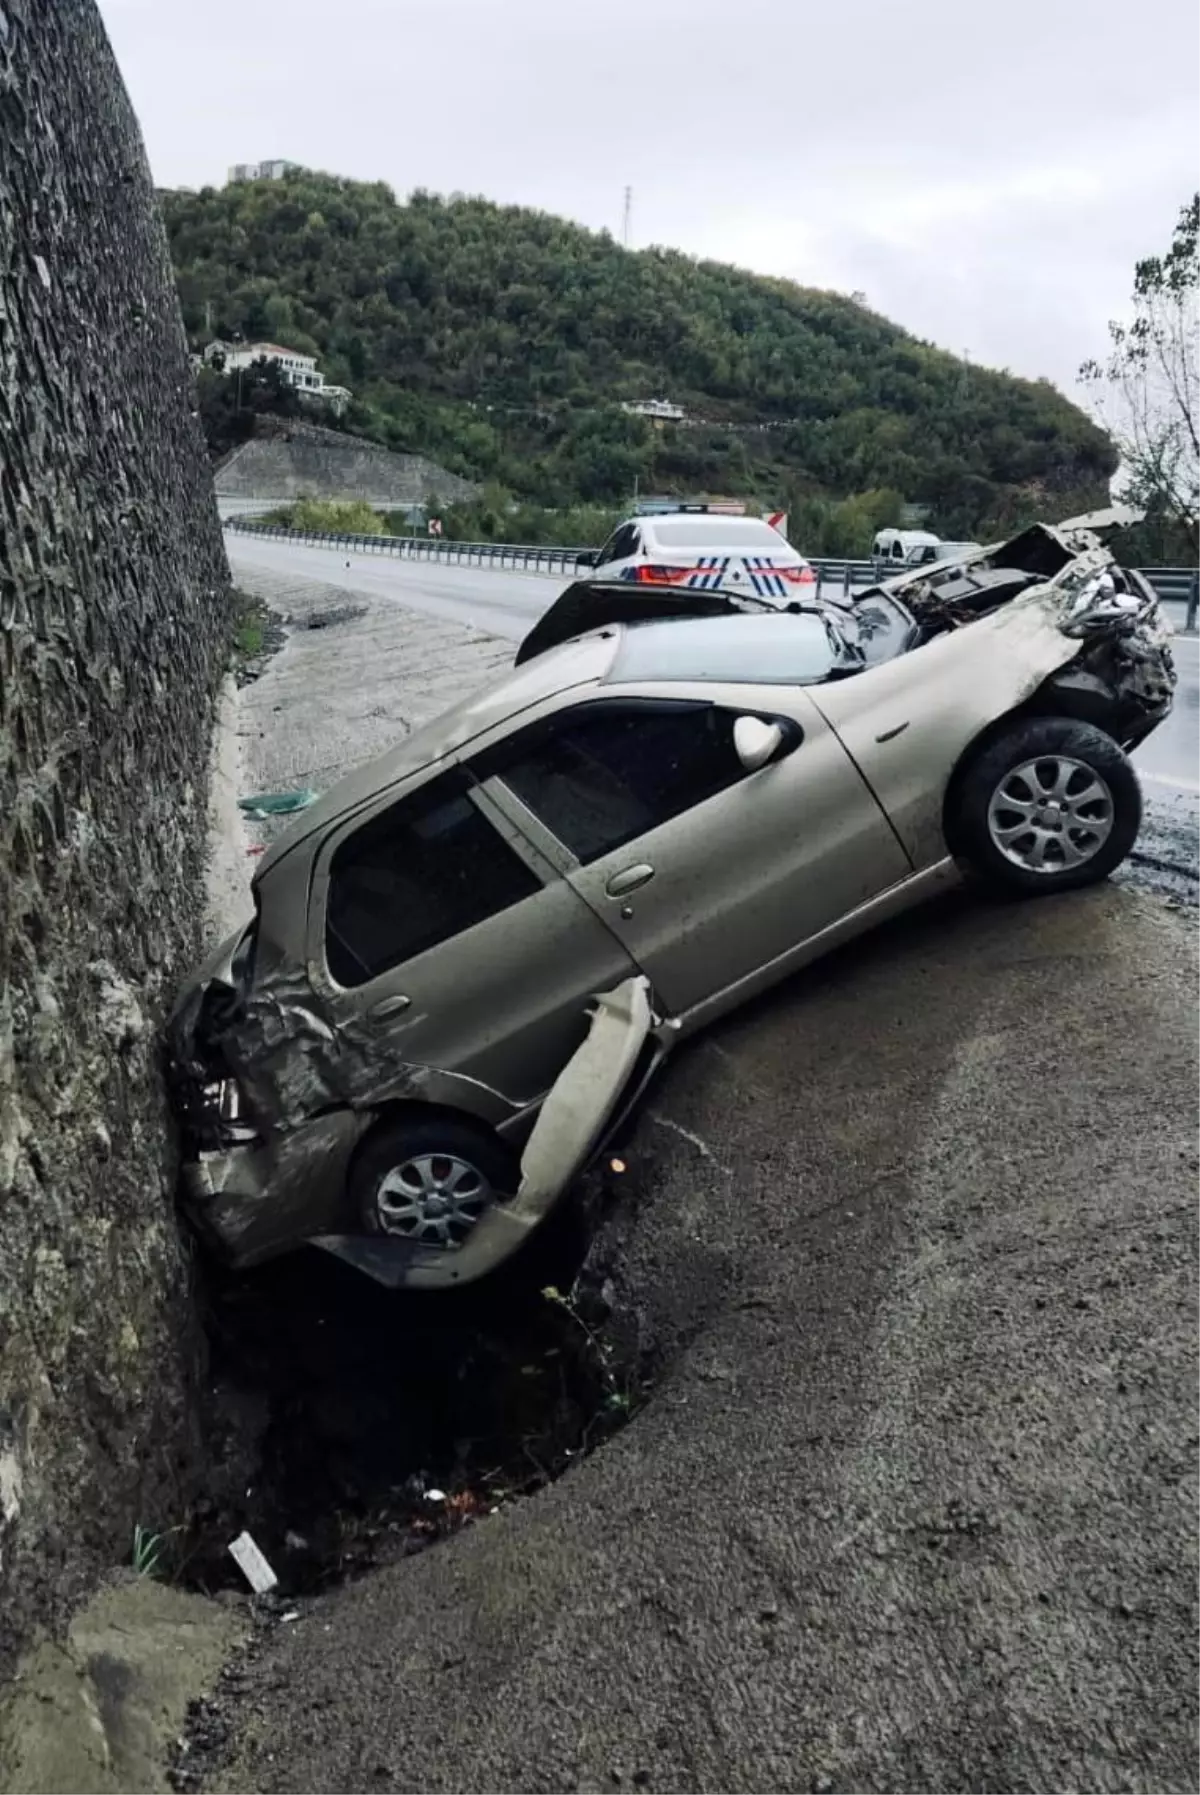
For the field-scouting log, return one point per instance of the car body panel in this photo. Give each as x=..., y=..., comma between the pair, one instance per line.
x=907, y=722
x=738, y=878
x=578, y=1106
x=257, y=1200
x=917, y=888
x=457, y=1006
x=587, y=605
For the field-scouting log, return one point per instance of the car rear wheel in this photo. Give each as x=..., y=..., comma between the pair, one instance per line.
x=430, y=1179
x=1049, y=805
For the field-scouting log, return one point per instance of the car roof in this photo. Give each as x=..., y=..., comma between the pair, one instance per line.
x=910, y=538
x=768, y=648
x=719, y=525
x=583, y=661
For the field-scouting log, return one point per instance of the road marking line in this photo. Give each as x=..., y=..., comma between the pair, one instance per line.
x=1179, y=785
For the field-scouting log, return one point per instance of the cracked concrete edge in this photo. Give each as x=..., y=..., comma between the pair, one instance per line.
x=103, y=1710
x=227, y=900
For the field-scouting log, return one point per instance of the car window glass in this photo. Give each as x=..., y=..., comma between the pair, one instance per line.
x=745, y=536
x=778, y=648
x=605, y=775
x=609, y=551
x=413, y=876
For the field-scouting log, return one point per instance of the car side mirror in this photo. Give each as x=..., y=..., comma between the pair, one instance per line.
x=587, y=557
x=756, y=742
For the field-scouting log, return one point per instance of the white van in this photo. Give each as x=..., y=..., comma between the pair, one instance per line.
x=902, y=548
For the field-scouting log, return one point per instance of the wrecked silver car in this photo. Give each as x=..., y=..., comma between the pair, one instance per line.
x=470, y=956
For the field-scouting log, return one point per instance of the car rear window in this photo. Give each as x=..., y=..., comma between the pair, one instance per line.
x=780, y=650
x=428, y=868
x=740, y=537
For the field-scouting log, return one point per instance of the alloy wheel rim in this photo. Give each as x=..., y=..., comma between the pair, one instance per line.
x=1051, y=814
x=433, y=1198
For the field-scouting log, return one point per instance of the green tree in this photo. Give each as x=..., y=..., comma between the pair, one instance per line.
x=1148, y=387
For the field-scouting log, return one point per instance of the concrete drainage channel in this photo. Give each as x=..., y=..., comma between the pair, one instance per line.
x=350, y=1427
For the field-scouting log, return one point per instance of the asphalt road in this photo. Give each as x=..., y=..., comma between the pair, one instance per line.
x=908, y=1253
x=508, y=604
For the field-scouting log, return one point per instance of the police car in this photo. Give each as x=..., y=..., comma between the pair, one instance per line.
x=707, y=550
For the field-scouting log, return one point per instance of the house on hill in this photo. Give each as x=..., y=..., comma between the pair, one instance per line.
x=298, y=370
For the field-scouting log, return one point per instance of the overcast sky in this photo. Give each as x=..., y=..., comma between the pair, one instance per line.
x=985, y=175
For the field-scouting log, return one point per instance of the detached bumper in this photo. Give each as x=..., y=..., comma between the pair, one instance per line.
x=588, y=1098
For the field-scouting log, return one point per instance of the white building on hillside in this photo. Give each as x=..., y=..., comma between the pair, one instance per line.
x=262, y=171
x=298, y=370
x=662, y=411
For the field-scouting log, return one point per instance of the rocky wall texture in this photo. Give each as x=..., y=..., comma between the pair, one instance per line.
x=286, y=459
x=114, y=619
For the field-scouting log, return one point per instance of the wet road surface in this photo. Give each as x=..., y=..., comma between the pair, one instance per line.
x=1167, y=851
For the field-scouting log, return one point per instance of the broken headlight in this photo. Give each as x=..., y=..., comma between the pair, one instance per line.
x=230, y=1111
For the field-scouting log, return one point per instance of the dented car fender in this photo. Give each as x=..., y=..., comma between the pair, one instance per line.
x=923, y=711
x=570, y=1126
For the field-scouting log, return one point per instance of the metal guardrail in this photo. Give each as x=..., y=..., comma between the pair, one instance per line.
x=533, y=558
x=1178, y=585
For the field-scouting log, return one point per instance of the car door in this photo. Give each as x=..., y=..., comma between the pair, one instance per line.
x=706, y=873
x=440, y=937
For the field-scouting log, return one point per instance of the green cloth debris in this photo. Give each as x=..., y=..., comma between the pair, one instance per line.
x=277, y=803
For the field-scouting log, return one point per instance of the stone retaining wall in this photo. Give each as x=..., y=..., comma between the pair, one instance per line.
x=293, y=460
x=114, y=626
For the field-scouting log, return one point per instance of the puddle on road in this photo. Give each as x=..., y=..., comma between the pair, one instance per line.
x=336, y=1406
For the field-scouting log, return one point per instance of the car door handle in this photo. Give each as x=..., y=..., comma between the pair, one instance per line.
x=390, y=1006
x=628, y=879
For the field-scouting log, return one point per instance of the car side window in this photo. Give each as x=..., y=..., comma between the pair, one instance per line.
x=620, y=545
x=603, y=774
x=420, y=872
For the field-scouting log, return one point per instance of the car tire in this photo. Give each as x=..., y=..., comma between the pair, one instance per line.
x=429, y=1179
x=1048, y=805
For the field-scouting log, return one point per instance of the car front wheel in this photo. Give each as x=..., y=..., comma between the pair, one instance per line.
x=429, y=1180
x=1049, y=805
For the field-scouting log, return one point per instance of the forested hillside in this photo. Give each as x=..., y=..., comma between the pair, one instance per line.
x=502, y=341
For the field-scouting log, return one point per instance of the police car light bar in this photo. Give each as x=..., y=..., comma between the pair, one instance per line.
x=664, y=507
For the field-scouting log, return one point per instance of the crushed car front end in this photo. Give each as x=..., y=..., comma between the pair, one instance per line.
x=272, y=1116
x=1122, y=676
x=249, y=1187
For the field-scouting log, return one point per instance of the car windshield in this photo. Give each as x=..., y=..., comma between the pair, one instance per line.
x=741, y=536
x=776, y=650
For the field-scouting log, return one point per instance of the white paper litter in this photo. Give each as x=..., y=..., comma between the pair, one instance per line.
x=252, y=1564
